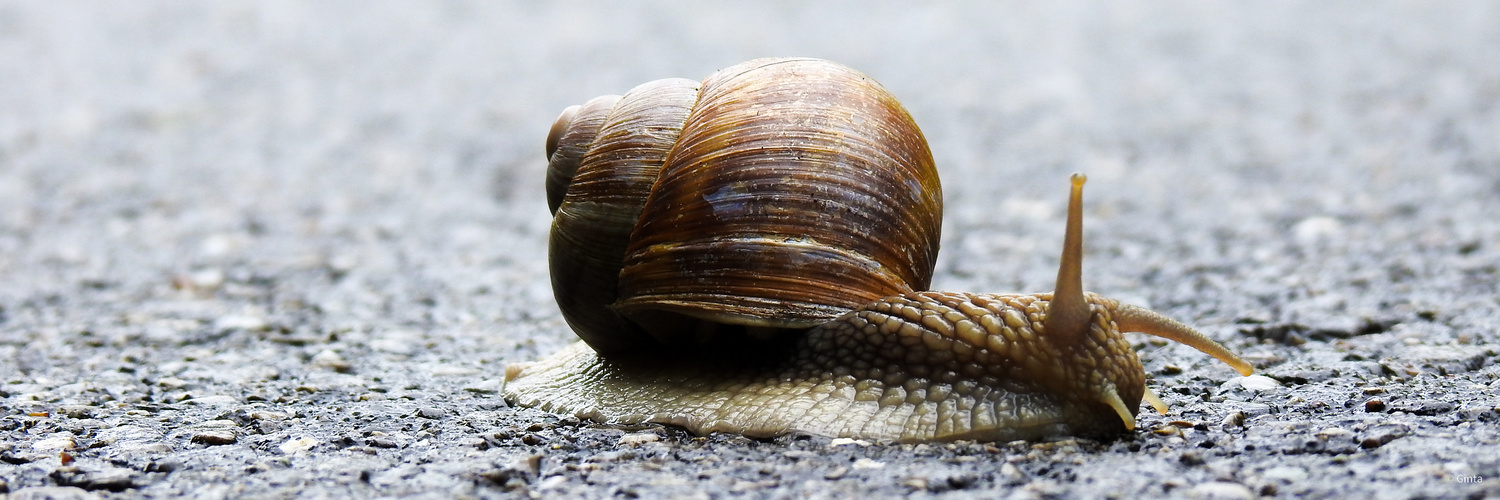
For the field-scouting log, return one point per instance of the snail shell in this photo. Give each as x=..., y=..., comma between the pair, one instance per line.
x=751, y=253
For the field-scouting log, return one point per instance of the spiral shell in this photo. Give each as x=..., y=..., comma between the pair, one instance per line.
x=776, y=194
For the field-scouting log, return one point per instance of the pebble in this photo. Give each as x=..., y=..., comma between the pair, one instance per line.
x=215, y=437
x=486, y=386
x=1286, y=474
x=551, y=482
x=171, y=383
x=1259, y=383
x=847, y=442
x=1011, y=473
x=1380, y=434
x=76, y=411
x=110, y=478
x=865, y=463
x=1219, y=490
x=431, y=412
x=1334, y=433
x=800, y=454
x=331, y=360
x=639, y=438
x=297, y=445
x=1317, y=228
x=836, y=473
x=56, y=442
x=1427, y=407
x=206, y=280
x=382, y=440
x=218, y=400
x=215, y=432
x=241, y=322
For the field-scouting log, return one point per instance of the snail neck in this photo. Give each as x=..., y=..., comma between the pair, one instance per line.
x=1068, y=314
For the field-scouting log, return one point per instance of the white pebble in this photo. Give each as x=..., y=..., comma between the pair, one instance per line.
x=218, y=400
x=1221, y=491
x=56, y=442
x=298, y=445
x=1259, y=383
x=639, y=438
x=1314, y=229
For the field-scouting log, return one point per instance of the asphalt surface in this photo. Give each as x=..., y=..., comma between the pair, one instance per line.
x=283, y=249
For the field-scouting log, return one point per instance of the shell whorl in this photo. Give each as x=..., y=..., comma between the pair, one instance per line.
x=790, y=191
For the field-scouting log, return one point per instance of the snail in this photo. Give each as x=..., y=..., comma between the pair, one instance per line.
x=751, y=254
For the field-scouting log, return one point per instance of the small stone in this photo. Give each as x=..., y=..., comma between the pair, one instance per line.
x=1379, y=435
x=836, y=473
x=241, y=322
x=486, y=386
x=1234, y=419
x=1258, y=383
x=1318, y=228
x=1334, y=433
x=1374, y=406
x=1011, y=473
x=218, y=400
x=431, y=412
x=1426, y=407
x=847, y=441
x=77, y=411
x=1285, y=474
x=114, y=479
x=331, y=360
x=865, y=463
x=268, y=415
x=203, y=281
x=171, y=383
x=61, y=441
x=1219, y=490
x=551, y=482
x=382, y=441
x=215, y=437
x=297, y=445
x=639, y=438
x=799, y=454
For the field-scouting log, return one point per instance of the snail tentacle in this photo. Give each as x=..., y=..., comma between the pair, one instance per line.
x=1068, y=313
x=1137, y=319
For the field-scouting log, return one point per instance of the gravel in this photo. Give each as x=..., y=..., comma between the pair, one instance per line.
x=286, y=249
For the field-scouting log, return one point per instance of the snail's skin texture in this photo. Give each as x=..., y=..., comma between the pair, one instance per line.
x=874, y=373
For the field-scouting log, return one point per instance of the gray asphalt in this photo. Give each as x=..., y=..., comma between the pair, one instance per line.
x=285, y=249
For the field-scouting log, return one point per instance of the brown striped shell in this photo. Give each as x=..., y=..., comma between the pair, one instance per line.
x=777, y=194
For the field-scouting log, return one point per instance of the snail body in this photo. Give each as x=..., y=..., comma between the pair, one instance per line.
x=752, y=253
